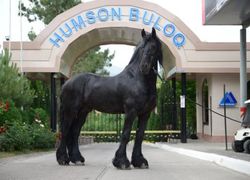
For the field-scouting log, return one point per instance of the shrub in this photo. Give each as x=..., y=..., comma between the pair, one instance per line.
x=16, y=138
x=35, y=116
x=9, y=115
x=41, y=116
x=19, y=137
x=42, y=138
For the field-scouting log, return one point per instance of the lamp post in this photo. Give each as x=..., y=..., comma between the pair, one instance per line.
x=243, y=72
x=21, y=38
x=9, y=27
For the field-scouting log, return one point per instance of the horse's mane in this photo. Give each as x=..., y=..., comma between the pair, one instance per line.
x=136, y=52
x=140, y=46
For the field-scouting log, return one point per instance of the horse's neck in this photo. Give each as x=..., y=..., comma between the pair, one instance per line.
x=149, y=79
x=133, y=66
x=133, y=69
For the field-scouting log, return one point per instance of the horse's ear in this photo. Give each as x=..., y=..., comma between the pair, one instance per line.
x=153, y=33
x=143, y=33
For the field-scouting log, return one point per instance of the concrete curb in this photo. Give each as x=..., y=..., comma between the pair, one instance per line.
x=231, y=163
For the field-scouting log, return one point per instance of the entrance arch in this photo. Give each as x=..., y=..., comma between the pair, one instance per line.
x=87, y=25
x=108, y=21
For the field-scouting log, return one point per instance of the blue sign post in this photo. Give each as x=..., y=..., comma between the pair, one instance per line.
x=228, y=100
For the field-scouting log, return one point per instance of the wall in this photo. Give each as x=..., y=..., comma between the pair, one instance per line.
x=216, y=83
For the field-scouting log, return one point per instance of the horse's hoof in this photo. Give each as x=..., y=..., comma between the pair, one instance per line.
x=144, y=166
x=79, y=163
x=62, y=157
x=121, y=163
x=124, y=167
x=77, y=159
x=140, y=163
x=63, y=162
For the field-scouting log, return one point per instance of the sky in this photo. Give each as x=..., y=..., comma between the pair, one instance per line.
x=190, y=12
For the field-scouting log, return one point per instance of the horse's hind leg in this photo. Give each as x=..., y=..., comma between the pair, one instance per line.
x=73, y=146
x=138, y=160
x=61, y=153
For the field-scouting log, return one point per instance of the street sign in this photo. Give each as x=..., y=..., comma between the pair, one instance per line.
x=228, y=100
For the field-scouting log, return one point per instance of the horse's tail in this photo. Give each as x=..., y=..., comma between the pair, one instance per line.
x=61, y=117
x=68, y=90
x=63, y=108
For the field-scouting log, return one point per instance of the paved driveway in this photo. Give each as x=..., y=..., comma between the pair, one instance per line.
x=163, y=165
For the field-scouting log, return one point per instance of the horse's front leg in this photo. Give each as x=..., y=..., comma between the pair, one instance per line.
x=120, y=160
x=138, y=161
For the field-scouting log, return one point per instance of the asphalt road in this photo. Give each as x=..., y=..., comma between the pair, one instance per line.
x=163, y=165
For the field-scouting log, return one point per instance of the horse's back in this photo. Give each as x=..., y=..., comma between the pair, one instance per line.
x=94, y=92
x=75, y=83
x=106, y=94
x=102, y=94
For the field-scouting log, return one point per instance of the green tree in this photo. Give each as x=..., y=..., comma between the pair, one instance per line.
x=45, y=10
x=94, y=60
x=42, y=95
x=14, y=86
x=190, y=104
x=164, y=104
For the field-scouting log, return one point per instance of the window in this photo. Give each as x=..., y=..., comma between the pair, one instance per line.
x=205, y=118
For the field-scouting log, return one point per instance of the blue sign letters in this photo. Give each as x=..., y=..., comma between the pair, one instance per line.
x=149, y=20
x=114, y=14
x=134, y=14
x=104, y=14
x=79, y=24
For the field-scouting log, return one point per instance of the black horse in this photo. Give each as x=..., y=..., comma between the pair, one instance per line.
x=132, y=92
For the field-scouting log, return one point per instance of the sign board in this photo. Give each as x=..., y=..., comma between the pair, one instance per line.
x=228, y=100
x=182, y=103
x=109, y=14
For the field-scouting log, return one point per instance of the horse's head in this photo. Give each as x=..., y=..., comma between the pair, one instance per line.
x=151, y=52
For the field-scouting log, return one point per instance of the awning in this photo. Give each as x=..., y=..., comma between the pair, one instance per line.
x=226, y=12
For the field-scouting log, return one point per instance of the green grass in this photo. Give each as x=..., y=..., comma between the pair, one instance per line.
x=16, y=153
x=7, y=154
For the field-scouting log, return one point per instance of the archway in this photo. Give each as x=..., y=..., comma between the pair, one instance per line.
x=90, y=24
x=103, y=22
